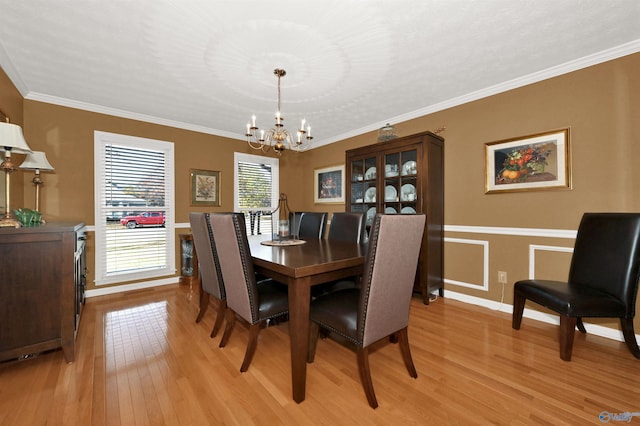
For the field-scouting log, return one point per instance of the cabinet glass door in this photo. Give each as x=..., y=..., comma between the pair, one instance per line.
x=401, y=189
x=364, y=191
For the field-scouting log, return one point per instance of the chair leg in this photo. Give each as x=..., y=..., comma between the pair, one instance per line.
x=222, y=308
x=230, y=316
x=254, y=330
x=518, y=309
x=580, y=325
x=403, y=340
x=314, y=331
x=630, y=336
x=567, y=331
x=365, y=376
x=204, y=303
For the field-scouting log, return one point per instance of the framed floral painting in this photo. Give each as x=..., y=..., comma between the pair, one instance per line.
x=329, y=184
x=205, y=188
x=534, y=162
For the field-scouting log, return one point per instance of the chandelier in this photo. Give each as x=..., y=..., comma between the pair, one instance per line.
x=278, y=137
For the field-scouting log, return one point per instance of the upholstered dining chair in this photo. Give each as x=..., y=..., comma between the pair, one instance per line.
x=294, y=223
x=210, y=276
x=603, y=280
x=381, y=307
x=253, y=303
x=312, y=224
x=347, y=226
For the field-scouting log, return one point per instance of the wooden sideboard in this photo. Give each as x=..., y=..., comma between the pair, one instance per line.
x=42, y=282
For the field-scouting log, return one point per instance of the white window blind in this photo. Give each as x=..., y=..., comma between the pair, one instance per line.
x=134, y=182
x=256, y=190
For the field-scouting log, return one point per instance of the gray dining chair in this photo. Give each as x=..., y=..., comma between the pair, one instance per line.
x=253, y=303
x=381, y=307
x=209, y=269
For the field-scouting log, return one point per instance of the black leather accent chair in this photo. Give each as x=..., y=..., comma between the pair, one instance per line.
x=603, y=279
x=210, y=276
x=381, y=307
x=255, y=304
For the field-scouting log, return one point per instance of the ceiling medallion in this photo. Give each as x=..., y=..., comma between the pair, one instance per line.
x=278, y=137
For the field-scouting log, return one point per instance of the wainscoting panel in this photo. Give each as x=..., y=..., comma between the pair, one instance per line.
x=478, y=256
x=542, y=273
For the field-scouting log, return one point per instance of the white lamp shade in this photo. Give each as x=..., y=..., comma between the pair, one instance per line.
x=37, y=160
x=11, y=137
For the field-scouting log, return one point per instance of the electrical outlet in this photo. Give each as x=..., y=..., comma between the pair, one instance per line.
x=502, y=277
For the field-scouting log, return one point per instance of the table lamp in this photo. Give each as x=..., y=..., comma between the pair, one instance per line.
x=37, y=161
x=11, y=140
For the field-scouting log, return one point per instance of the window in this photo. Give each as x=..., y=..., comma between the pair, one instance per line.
x=134, y=212
x=256, y=190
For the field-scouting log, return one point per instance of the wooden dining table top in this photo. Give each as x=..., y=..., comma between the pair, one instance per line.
x=316, y=256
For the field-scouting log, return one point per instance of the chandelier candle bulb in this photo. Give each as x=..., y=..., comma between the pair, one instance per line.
x=302, y=126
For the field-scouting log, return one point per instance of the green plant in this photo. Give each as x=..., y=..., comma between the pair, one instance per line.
x=28, y=217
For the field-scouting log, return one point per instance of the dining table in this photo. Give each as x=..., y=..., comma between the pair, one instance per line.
x=301, y=266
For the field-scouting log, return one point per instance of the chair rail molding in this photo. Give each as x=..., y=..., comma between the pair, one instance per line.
x=525, y=232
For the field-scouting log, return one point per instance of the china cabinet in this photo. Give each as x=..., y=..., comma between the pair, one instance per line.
x=404, y=176
x=43, y=280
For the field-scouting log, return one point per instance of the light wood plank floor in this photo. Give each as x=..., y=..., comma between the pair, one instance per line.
x=142, y=360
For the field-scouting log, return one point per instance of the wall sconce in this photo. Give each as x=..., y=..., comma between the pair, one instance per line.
x=11, y=140
x=37, y=161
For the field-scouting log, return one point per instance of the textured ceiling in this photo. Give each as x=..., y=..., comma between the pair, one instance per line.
x=352, y=65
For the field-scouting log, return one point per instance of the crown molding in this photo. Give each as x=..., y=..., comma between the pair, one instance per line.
x=581, y=63
x=584, y=62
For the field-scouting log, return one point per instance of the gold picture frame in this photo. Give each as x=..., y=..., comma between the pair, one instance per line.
x=205, y=187
x=329, y=185
x=536, y=162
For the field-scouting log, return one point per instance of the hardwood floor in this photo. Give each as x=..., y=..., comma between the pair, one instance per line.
x=142, y=360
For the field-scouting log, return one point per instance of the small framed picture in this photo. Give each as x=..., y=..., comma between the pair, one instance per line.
x=205, y=188
x=329, y=184
x=528, y=163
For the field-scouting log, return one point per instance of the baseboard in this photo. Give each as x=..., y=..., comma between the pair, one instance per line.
x=594, y=329
x=129, y=287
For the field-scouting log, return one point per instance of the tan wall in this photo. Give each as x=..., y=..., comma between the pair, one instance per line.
x=599, y=104
x=67, y=136
x=11, y=104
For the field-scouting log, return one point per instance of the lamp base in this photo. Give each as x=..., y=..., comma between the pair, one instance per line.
x=9, y=222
